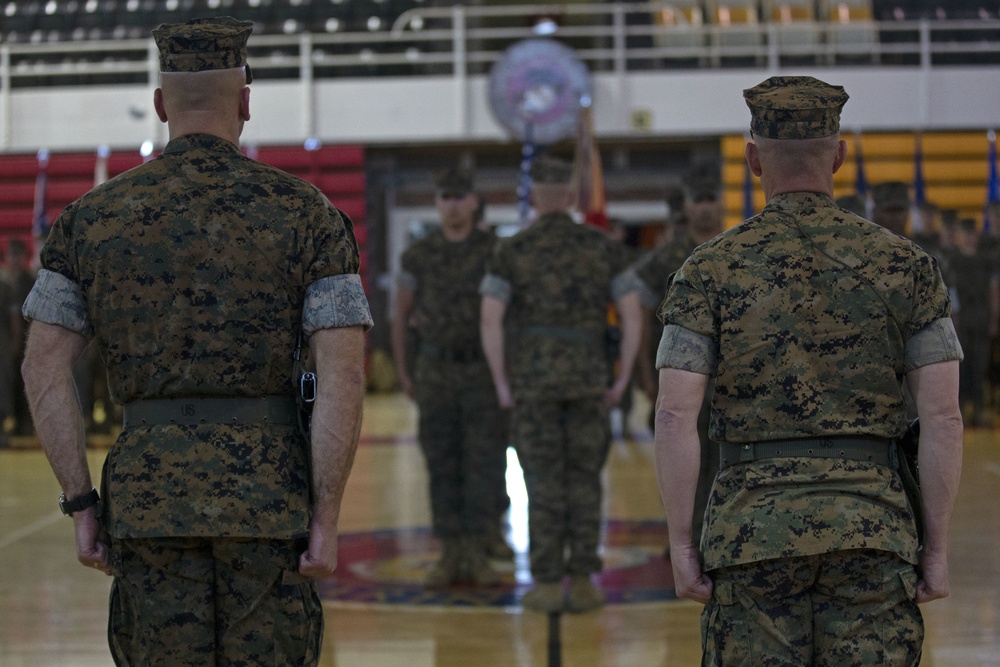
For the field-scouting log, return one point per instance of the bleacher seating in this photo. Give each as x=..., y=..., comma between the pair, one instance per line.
x=954, y=165
x=798, y=31
x=736, y=35
x=679, y=25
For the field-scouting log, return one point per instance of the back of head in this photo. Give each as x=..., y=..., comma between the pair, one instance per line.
x=203, y=64
x=795, y=124
x=552, y=184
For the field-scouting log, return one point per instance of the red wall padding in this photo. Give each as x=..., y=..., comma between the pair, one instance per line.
x=339, y=171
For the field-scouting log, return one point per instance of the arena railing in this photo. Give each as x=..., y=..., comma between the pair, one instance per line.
x=462, y=41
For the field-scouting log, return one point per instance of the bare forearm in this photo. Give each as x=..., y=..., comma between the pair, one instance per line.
x=678, y=450
x=940, y=461
x=336, y=424
x=492, y=334
x=678, y=463
x=400, y=323
x=935, y=390
x=630, y=311
x=55, y=408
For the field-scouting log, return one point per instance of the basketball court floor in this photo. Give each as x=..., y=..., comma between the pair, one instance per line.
x=53, y=610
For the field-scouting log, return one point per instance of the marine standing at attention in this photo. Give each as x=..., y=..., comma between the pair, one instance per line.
x=553, y=280
x=197, y=274
x=462, y=429
x=810, y=319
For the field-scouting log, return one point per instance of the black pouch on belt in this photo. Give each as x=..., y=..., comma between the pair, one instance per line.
x=909, y=472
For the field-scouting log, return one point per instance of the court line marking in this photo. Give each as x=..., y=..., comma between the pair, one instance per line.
x=33, y=527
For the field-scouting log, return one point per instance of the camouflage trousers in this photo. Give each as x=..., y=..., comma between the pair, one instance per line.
x=463, y=434
x=842, y=609
x=562, y=447
x=212, y=602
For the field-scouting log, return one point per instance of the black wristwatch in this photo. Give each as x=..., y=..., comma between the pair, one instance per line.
x=69, y=507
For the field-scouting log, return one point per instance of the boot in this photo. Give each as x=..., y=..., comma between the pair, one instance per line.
x=496, y=545
x=546, y=598
x=446, y=570
x=583, y=595
x=475, y=565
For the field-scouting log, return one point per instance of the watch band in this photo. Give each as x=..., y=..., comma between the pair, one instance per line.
x=69, y=507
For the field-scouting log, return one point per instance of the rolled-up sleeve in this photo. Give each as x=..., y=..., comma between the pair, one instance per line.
x=624, y=283
x=335, y=302
x=935, y=343
x=496, y=287
x=686, y=350
x=55, y=299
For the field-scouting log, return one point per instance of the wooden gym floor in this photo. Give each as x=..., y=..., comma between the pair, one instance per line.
x=377, y=615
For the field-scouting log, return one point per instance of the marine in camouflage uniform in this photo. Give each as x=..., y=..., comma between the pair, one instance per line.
x=809, y=318
x=196, y=274
x=462, y=430
x=703, y=215
x=552, y=283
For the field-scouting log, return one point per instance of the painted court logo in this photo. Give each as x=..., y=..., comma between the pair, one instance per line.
x=388, y=567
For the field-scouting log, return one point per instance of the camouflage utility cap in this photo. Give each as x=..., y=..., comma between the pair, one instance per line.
x=204, y=44
x=552, y=171
x=795, y=107
x=454, y=181
x=891, y=195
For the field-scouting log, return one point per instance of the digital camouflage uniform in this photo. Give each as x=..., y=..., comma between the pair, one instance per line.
x=654, y=272
x=808, y=316
x=463, y=431
x=557, y=278
x=195, y=273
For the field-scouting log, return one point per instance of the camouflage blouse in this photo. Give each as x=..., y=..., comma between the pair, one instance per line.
x=809, y=317
x=557, y=278
x=195, y=274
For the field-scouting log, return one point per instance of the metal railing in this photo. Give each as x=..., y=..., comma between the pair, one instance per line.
x=461, y=41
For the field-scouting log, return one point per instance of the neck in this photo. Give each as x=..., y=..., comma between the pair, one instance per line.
x=457, y=232
x=784, y=183
x=204, y=123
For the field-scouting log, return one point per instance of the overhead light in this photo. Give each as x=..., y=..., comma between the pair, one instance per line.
x=374, y=23
x=332, y=25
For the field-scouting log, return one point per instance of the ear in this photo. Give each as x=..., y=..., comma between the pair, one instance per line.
x=838, y=161
x=245, y=103
x=161, y=111
x=753, y=158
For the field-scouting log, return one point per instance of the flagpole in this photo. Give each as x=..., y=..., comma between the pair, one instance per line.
x=919, y=194
x=524, y=184
x=748, y=207
x=992, y=183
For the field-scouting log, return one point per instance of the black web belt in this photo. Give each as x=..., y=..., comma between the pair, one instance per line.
x=461, y=355
x=880, y=451
x=194, y=411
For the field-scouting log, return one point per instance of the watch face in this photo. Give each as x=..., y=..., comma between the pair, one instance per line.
x=536, y=90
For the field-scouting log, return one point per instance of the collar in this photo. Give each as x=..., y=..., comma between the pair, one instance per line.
x=200, y=141
x=796, y=201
